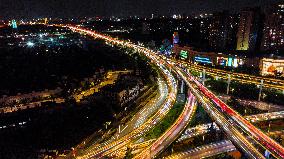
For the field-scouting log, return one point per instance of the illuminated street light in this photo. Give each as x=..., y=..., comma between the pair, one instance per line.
x=228, y=83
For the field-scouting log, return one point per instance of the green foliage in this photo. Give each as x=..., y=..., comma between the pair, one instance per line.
x=128, y=154
x=194, y=73
x=233, y=103
x=274, y=96
x=245, y=91
x=201, y=117
x=218, y=86
x=168, y=120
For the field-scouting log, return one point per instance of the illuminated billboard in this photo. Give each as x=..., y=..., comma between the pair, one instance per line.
x=183, y=55
x=235, y=62
x=222, y=61
x=201, y=59
x=230, y=62
x=272, y=67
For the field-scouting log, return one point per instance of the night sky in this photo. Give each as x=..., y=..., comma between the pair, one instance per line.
x=79, y=8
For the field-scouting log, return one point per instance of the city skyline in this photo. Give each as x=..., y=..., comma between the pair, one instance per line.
x=144, y=79
x=72, y=8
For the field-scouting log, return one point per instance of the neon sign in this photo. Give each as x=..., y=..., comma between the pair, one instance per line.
x=200, y=59
x=183, y=54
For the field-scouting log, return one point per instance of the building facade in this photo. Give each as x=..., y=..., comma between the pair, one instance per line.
x=249, y=30
x=219, y=31
x=273, y=32
x=188, y=53
x=272, y=67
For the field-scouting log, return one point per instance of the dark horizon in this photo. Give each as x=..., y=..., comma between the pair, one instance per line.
x=90, y=8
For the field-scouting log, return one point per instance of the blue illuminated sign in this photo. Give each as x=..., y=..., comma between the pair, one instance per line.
x=202, y=59
x=230, y=61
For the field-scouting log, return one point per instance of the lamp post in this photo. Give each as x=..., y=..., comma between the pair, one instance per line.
x=182, y=87
x=260, y=89
x=203, y=76
x=228, y=83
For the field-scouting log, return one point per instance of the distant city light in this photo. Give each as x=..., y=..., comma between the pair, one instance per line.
x=30, y=44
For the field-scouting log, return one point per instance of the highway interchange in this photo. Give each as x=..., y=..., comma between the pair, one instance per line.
x=236, y=127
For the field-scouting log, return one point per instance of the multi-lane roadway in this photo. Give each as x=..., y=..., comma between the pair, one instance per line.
x=223, y=115
x=172, y=133
x=233, y=124
x=205, y=128
x=239, y=77
x=204, y=151
x=107, y=149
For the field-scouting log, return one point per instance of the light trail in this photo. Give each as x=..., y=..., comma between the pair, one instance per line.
x=204, y=151
x=239, y=77
x=106, y=149
x=210, y=101
x=172, y=133
x=265, y=141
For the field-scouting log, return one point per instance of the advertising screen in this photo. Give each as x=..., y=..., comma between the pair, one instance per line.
x=230, y=62
x=272, y=67
x=222, y=61
x=236, y=62
x=201, y=59
x=183, y=54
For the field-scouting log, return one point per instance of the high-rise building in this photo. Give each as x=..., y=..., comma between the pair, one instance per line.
x=246, y=18
x=145, y=28
x=221, y=31
x=175, y=38
x=14, y=24
x=273, y=31
x=45, y=21
x=204, y=31
x=250, y=25
x=216, y=37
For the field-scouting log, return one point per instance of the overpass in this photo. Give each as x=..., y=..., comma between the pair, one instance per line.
x=229, y=120
x=238, y=77
x=205, y=151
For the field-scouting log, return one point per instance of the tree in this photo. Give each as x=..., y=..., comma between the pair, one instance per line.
x=128, y=154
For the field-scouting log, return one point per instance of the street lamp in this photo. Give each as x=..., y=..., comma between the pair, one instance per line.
x=260, y=89
x=228, y=83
